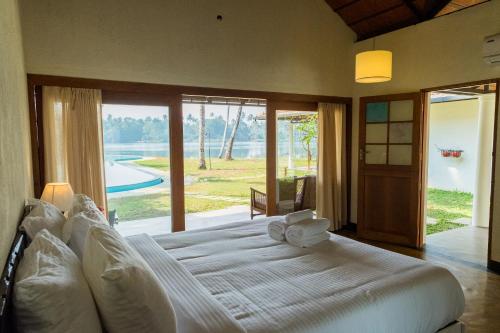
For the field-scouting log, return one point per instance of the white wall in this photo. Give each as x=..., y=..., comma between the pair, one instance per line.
x=298, y=46
x=453, y=125
x=15, y=160
x=445, y=50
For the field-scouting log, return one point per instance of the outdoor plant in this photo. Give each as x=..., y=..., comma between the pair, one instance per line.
x=309, y=131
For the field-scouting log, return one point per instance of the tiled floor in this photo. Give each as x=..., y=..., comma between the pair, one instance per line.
x=468, y=244
x=481, y=288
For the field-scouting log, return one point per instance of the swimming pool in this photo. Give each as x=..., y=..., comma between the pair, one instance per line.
x=136, y=186
x=122, y=176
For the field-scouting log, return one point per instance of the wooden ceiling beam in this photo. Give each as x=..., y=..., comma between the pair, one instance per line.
x=348, y=4
x=437, y=6
x=411, y=6
x=369, y=17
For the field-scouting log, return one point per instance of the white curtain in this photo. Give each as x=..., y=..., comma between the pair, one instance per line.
x=72, y=131
x=331, y=187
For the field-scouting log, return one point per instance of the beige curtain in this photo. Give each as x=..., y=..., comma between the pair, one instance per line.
x=72, y=131
x=331, y=190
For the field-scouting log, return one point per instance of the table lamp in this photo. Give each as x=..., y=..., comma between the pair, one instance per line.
x=58, y=194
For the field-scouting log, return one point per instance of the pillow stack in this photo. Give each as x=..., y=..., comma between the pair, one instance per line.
x=43, y=215
x=51, y=293
x=54, y=292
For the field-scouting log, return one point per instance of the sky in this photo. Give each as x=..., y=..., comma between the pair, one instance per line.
x=137, y=111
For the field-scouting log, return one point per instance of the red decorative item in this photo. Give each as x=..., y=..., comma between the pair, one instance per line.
x=450, y=152
x=445, y=153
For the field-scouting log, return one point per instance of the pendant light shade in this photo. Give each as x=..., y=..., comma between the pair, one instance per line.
x=373, y=66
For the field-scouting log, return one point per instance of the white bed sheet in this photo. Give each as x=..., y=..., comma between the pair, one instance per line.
x=339, y=285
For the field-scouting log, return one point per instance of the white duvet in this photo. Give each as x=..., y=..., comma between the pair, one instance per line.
x=245, y=281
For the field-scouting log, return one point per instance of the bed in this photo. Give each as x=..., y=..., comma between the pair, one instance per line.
x=235, y=278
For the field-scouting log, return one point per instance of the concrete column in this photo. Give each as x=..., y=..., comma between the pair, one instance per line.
x=291, y=146
x=482, y=183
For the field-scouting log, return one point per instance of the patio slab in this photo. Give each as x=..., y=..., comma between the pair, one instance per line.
x=163, y=225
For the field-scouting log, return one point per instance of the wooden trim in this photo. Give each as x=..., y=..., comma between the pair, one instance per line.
x=295, y=106
x=177, y=165
x=172, y=90
x=36, y=135
x=494, y=266
x=132, y=98
x=137, y=93
x=460, y=85
x=424, y=158
x=271, y=158
x=348, y=148
x=493, y=166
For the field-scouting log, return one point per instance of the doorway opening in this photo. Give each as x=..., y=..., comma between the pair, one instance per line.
x=138, y=194
x=224, y=143
x=460, y=135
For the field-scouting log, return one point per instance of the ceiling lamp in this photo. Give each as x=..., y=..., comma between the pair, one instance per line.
x=373, y=66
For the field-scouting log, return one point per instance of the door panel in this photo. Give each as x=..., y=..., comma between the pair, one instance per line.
x=389, y=169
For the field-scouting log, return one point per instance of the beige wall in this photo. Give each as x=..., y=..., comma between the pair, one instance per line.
x=453, y=125
x=298, y=46
x=15, y=173
x=446, y=50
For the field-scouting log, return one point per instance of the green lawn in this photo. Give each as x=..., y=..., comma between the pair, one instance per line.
x=156, y=205
x=446, y=206
x=225, y=184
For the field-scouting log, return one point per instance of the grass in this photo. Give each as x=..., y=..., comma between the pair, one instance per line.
x=224, y=184
x=446, y=206
x=156, y=205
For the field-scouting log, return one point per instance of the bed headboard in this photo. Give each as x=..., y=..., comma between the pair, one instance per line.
x=7, y=280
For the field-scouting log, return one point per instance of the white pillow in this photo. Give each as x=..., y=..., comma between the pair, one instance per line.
x=82, y=202
x=51, y=293
x=128, y=294
x=76, y=228
x=43, y=215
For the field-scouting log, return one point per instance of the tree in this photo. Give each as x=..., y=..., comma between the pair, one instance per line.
x=221, y=152
x=201, y=137
x=229, y=151
x=309, y=130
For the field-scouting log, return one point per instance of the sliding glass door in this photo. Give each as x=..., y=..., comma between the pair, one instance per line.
x=224, y=159
x=137, y=168
x=297, y=151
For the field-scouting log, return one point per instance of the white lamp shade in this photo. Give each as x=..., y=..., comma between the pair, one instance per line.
x=58, y=194
x=374, y=66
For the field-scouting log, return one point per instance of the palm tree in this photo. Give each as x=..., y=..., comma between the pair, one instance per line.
x=201, y=134
x=221, y=152
x=229, y=151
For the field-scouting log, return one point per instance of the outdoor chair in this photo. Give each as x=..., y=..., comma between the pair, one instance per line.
x=294, y=194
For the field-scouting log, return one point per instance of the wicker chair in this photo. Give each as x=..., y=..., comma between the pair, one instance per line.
x=299, y=193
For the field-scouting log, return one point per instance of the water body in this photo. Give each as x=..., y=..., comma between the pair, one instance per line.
x=240, y=150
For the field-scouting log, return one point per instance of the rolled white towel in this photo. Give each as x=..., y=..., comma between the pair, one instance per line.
x=276, y=230
x=307, y=228
x=296, y=217
x=309, y=241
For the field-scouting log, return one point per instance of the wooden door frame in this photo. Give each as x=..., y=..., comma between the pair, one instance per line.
x=493, y=265
x=397, y=170
x=124, y=92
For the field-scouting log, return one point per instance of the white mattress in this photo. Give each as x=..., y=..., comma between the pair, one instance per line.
x=339, y=285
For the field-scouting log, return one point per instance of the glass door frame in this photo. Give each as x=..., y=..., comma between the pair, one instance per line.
x=174, y=104
x=271, y=145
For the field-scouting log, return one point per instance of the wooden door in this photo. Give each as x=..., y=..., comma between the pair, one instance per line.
x=389, y=169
